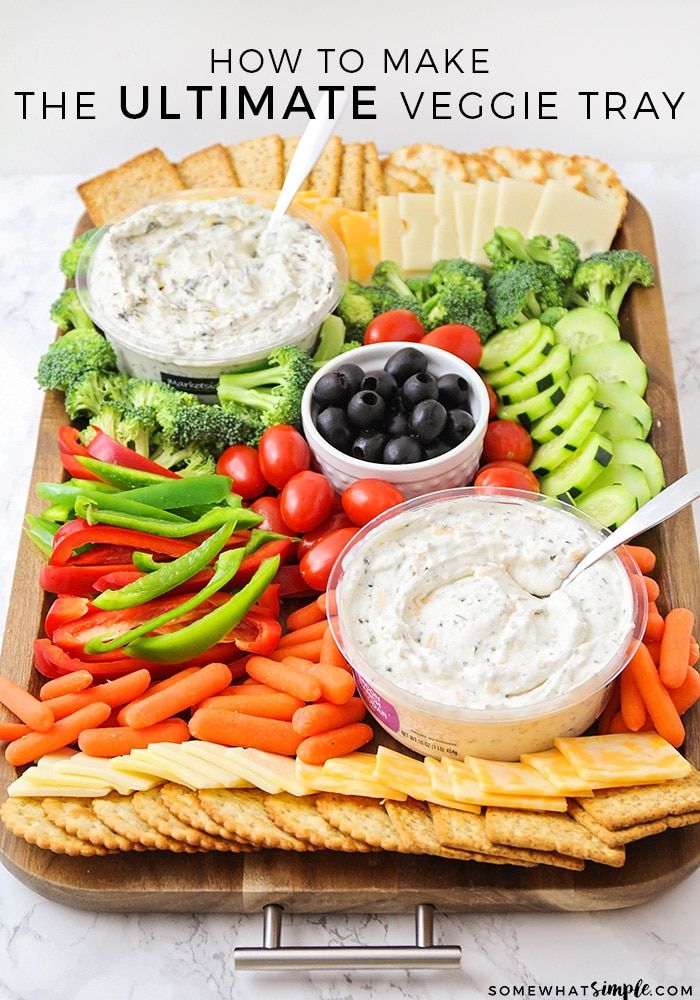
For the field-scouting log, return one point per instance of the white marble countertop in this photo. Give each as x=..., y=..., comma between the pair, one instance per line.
x=47, y=950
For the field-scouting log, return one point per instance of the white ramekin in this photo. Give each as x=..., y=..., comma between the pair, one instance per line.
x=454, y=468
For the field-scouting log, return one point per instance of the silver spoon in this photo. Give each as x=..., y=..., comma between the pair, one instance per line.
x=667, y=503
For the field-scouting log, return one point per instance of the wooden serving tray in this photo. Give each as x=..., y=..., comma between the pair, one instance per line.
x=327, y=881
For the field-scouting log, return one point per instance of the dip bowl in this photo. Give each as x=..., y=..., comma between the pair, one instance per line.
x=441, y=729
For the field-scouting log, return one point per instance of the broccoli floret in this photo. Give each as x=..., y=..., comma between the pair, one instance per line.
x=136, y=427
x=508, y=246
x=603, y=279
x=460, y=302
x=523, y=292
x=197, y=463
x=388, y=274
x=552, y=315
x=274, y=391
x=189, y=461
x=331, y=339
x=71, y=256
x=88, y=394
x=454, y=269
x=71, y=356
x=355, y=309
x=350, y=345
x=240, y=425
x=107, y=419
x=67, y=312
x=419, y=288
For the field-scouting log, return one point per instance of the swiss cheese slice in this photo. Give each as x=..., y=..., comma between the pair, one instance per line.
x=390, y=227
x=464, y=199
x=322, y=781
x=272, y=772
x=445, y=235
x=620, y=759
x=417, y=212
x=589, y=222
x=218, y=766
x=502, y=777
x=517, y=203
x=107, y=770
x=26, y=788
x=466, y=788
x=361, y=238
x=554, y=766
x=412, y=777
x=178, y=770
x=484, y=219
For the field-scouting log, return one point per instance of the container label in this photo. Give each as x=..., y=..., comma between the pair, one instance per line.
x=191, y=383
x=380, y=708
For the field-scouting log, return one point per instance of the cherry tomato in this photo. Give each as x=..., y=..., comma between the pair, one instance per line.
x=457, y=338
x=493, y=401
x=332, y=523
x=506, y=439
x=316, y=566
x=282, y=453
x=306, y=501
x=367, y=498
x=510, y=474
x=269, y=509
x=397, y=324
x=240, y=463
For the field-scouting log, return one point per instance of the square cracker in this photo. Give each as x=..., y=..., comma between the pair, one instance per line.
x=351, y=183
x=116, y=192
x=299, y=816
x=289, y=148
x=373, y=179
x=616, y=838
x=242, y=812
x=152, y=809
x=618, y=808
x=325, y=176
x=467, y=832
x=360, y=818
x=184, y=803
x=259, y=163
x=26, y=818
x=210, y=167
x=77, y=817
x=549, y=832
x=118, y=813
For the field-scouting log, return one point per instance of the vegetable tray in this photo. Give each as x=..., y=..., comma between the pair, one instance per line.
x=328, y=881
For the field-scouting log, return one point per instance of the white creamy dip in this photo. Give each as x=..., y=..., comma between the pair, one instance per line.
x=202, y=279
x=441, y=601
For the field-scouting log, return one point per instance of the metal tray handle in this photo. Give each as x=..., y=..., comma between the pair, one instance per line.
x=273, y=957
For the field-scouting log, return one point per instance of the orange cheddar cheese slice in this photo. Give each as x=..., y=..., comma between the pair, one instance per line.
x=466, y=788
x=413, y=778
x=621, y=759
x=320, y=780
x=502, y=777
x=554, y=766
x=360, y=234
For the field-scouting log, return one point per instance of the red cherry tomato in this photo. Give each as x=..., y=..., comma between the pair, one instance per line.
x=510, y=474
x=457, y=338
x=316, y=566
x=306, y=501
x=332, y=523
x=282, y=453
x=269, y=509
x=397, y=324
x=506, y=439
x=240, y=462
x=493, y=401
x=367, y=498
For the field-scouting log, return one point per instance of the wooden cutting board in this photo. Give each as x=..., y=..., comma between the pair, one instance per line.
x=382, y=882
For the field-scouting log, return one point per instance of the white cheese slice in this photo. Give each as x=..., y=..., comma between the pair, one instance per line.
x=517, y=203
x=589, y=222
x=217, y=765
x=104, y=769
x=464, y=208
x=484, y=219
x=271, y=769
x=152, y=762
x=390, y=227
x=29, y=789
x=417, y=211
x=445, y=235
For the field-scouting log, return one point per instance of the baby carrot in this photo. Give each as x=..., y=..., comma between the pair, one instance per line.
x=654, y=650
x=25, y=706
x=675, y=647
x=663, y=712
x=235, y=729
x=308, y=615
x=112, y=693
x=33, y=745
x=321, y=717
x=632, y=706
x=77, y=680
x=160, y=686
x=13, y=730
x=693, y=652
x=304, y=650
x=330, y=652
x=685, y=696
x=652, y=588
x=169, y=701
x=284, y=677
x=644, y=558
x=337, y=685
x=618, y=724
x=277, y=705
x=610, y=710
x=248, y=687
x=306, y=634
x=655, y=623
x=334, y=743
x=114, y=741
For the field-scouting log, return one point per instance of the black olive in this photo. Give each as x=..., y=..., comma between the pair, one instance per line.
x=402, y=450
x=437, y=448
x=369, y=446
x=382, y=383
x=332, y=424
x=354, y=375
x=408, y=361
x=453, y=391
x=332, y=389
x=418, y=387
x=428, y=419
x=397, y=424
x=366, y=409
x=458, y=426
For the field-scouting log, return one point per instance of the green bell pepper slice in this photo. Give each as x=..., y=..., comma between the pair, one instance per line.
x=94, y=513
x=65, y=494
x=118, y=475
x=41, y=532
x=193, y=491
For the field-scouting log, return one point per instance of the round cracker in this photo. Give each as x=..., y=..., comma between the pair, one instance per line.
x=153, y=810
x=118, y=813
x=77, y=817
x=184, y=803
x=299, y=816
x=242, y=812
x=26, y=818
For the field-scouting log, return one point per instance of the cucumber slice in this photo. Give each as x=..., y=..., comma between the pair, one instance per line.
x=612, y=362
x=642, y=455
x=523, y=366
x=504, y=348
x=584, y=327
x=580, y=392
x=551, y=455
x=545, y=375
x=530, y=410
x=620, y=396
x=611, y=505
x=629, y=476
x=617, y=426
x=578, y=472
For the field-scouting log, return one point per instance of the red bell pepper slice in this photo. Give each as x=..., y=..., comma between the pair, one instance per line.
x=75, y=581
x=269, y=600
x=257, y=633
x=69, y=446
x=291, y=582
x=106, y=449
x=116, y=580
x=103, y=555
x=277, y=547
x=74, y=534
x=64, y=610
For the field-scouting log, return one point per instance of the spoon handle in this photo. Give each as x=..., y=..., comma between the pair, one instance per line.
x=664, y=505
